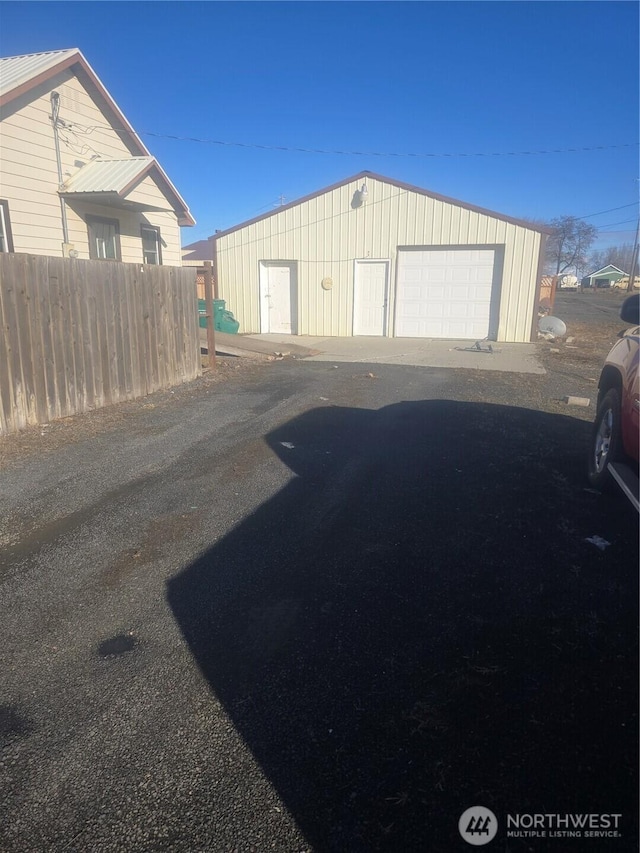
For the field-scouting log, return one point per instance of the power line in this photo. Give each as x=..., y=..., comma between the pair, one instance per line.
x=611, y=209
x=386, y=153
x=88, y=130
x=257, y=146
x=611, y=224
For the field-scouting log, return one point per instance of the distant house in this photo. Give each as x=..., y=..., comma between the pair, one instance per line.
x=75, y=179
x=606, y=277
x=372, y=255
x=195, y=254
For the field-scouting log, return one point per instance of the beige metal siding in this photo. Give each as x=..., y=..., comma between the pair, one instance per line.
x=29, y=177
x=325, y=234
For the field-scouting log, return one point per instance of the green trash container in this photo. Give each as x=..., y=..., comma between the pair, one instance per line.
x=202, y=312
x=223, y=320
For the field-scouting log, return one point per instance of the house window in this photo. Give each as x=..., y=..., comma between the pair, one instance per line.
x=6, y=240
x=104, y=239
x=151, y=244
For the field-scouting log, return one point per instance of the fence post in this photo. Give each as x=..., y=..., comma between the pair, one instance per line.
x=214, y=256
x=634, y=262
x=208, y=298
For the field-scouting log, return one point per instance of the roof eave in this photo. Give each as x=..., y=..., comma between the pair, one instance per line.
x=182, y=210
x=541, y=229
x=178, y=207
x=113, y=198
x=602, y=269
x=36, y=80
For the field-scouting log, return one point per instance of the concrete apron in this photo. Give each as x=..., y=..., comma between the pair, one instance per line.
x=418, y=352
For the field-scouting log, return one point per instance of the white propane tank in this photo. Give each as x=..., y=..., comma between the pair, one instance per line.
x=569, y=282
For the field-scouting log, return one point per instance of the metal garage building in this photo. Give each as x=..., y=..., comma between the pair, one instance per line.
x=374, y=256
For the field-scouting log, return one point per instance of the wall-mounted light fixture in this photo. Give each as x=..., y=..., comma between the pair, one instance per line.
x=359, y=196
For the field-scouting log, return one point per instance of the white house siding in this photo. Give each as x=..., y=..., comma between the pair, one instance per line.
x=29, y=176
x=324, y=235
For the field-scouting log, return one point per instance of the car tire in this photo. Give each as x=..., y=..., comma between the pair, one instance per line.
x=606, y=440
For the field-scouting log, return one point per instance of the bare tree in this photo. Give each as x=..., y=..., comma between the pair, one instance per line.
x=569, y=243
x=619, y=256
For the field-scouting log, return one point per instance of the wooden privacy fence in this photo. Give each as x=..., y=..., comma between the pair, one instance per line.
x=77, y=335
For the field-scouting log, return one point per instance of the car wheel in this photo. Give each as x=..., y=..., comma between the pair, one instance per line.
x=605, y=440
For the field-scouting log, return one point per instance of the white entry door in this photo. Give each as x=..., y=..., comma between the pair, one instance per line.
x=444, y=293
x=277, y=282
x=370, y=290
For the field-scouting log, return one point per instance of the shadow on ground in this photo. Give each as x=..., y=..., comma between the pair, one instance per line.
x=415, y=625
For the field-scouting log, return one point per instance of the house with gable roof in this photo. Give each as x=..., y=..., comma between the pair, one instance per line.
x=75, y=179
x=608, y=276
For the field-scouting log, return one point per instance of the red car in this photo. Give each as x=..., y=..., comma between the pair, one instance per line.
x=613, y=455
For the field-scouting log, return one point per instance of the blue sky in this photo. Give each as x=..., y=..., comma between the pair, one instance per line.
x=397, y=78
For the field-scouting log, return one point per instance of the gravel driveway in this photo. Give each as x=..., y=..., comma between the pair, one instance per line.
x=299, y=607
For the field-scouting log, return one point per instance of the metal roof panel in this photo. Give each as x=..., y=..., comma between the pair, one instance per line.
x=16, y=70
x=103, y=176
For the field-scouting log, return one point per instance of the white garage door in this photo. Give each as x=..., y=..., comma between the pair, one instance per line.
x=444, y=293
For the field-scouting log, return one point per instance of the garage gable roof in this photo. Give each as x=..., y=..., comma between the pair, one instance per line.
x=401, y=185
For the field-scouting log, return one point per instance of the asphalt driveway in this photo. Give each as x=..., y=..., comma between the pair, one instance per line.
x=307, y=607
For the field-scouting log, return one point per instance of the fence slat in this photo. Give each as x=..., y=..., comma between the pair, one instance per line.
x=22, y=297
x=7, y=361
x=131, y=333
x=58, y=332
x=36, y=281
x=45, y=315
x=84, y=332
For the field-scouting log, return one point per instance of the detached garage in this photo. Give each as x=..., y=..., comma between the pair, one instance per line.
x=375, y=256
